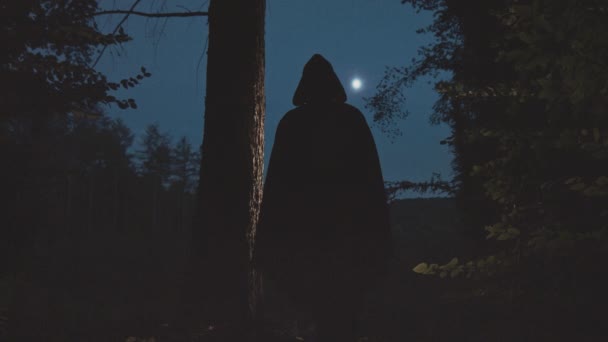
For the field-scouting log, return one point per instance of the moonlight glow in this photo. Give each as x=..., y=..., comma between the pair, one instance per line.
x=356, y=84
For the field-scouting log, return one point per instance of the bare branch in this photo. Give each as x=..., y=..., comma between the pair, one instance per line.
x=154, y=15
x=116, y=30
x=131, y=11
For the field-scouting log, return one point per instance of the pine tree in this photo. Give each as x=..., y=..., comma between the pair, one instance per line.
x=156, y=160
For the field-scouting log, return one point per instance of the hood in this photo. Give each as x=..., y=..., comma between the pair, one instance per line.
x=319, y=83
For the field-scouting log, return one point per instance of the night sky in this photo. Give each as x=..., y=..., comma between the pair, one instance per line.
x=359, y=37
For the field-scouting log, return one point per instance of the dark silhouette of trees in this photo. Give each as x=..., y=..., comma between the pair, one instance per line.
x=47, y=56
x=186, y=162
x=231, y=169
x=91, y=198
x=71, y=195
x=47, y=82
x=156, y=165
x=73, y=167
x=526, y=104
x=155, y=155
x=55, y=46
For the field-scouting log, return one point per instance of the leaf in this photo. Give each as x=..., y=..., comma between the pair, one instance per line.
x=452, y=263
x=508, y=234
x=493, y=230
x=591, y=191
x=455, y=273
x=577, y=186
x=513, y=231
x=421, y=268
x=132, y=103
x=596, y=135
x=572, y=180
x=601, y=181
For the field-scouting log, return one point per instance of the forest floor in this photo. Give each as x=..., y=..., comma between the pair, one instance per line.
x=125, y=287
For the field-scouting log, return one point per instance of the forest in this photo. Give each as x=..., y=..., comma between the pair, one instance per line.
x=109, y=236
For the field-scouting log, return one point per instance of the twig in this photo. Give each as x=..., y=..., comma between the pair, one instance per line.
x=114, y=32
x=155, y=15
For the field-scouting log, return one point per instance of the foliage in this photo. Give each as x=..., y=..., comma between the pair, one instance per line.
x=186, y=162
x=156, y=154
x=48, y=47
x=526, y=102
x=69, y=182
x=90, y=182
x=548, y=172
x=169, y=163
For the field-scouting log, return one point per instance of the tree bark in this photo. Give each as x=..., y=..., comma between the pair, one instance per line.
x=232, y=161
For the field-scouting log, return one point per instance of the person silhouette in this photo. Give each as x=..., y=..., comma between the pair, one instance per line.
x=323, y=236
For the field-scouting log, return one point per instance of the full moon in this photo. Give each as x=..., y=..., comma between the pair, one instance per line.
x=356, y=84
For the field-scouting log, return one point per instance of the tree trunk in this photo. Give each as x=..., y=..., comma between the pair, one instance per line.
x=155, y=192
x=68, y=204
x=115, y=198
x=90, y=207
x=232, y=161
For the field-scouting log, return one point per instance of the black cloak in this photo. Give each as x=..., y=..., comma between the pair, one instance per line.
x=324, y=229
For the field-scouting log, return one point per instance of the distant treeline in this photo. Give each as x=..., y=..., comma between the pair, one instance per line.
x=81, y=174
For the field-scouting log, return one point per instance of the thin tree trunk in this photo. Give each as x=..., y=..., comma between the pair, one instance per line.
x=90, y=204
x=68, y=204
x=155, y=200
x=232, y=160
x=181, y=211
x=115, y=200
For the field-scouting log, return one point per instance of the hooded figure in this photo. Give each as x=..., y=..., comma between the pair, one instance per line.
x=323, y=235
